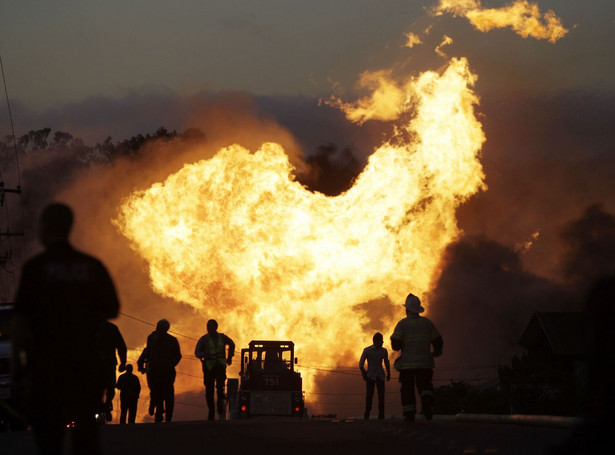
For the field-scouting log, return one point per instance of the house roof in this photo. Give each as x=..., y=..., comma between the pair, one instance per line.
x=562, y=332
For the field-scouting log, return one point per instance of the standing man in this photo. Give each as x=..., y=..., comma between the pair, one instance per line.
x=130, y=388
x=63, y=299
x=111, y=340
x=414, y=336
x=375, y=355
x=159, y=359
x=210, y=349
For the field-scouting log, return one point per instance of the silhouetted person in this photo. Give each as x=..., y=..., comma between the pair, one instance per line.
x=159, y=359
x=414, y=336
x=211, y=350
x=274, y=362
x=63, y=299
x=594, y=435
x=111, y=340
x=374, y=376
x=130, y=387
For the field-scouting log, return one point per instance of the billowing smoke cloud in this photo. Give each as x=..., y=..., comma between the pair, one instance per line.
x=590, y=248
x=547, y=157
x=547, y=165
x=484, y=298
x=331, y=170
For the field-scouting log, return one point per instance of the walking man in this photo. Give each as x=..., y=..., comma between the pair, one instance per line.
x=111, y=340
x=130, y=387
x=375, y=355
x=159, y=359
x=63, y=299
x=211, y=350
x=415, y=336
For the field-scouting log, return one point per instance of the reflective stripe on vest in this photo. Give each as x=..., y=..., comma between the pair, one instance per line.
x=215, y=352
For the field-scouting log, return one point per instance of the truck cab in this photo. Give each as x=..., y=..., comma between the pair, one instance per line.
x=269, y=385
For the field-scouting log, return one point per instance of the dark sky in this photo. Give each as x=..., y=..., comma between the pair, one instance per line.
x=70, y=51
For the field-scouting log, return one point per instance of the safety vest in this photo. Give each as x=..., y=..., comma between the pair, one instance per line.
x=214, y=352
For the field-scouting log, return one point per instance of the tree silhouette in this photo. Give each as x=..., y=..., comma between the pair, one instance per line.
x=102, y=152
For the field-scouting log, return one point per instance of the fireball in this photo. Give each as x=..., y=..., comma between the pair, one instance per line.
x=238, y=238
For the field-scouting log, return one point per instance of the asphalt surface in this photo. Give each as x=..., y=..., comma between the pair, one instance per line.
x=280, y=436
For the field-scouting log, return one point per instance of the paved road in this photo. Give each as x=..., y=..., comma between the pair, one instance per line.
x=278, y=436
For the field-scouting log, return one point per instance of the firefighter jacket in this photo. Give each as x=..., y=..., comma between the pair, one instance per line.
x=416, y=335
x=212, y=351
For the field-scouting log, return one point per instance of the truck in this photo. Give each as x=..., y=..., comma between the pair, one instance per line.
x=269, y=384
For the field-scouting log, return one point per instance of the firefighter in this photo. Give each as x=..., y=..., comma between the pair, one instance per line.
x=130, y=387
x=374, y=377
x=62, y=301
x=210, y=349
x=415, y=336
x=111, y=340
x=159, y=359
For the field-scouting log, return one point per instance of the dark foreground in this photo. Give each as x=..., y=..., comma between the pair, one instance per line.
x=277, y=436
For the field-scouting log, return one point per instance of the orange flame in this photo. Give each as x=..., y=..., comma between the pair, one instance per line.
x=239, y=239
x=522, y=16
x=412, y=39
x=446, y=40
x=527, y=244
x=386, y=101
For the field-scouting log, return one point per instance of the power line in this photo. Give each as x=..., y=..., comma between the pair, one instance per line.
x=154, y=325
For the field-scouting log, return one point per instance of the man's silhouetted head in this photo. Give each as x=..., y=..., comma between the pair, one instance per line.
x=378, y=339
x=413, y=305
x=55, y=224
x=163, y=326
x=129, y=368
x=212, y=326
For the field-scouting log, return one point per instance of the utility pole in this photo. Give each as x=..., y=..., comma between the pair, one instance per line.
x=3, y=192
